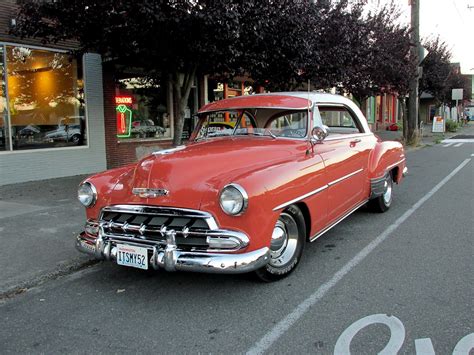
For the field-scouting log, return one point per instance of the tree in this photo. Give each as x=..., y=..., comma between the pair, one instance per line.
x=171, y=40
x=278, y=43
x=176, y=39
x=440, y=76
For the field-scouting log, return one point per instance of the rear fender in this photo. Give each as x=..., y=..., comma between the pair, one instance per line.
x=387, y=157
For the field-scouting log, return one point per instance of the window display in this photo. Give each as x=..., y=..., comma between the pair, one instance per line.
x=142, y=109
x=4, y=145
x=45, y=105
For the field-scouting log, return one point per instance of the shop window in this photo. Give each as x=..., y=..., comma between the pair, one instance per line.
x=4, y=145
x=45, y=100
x=142, y=109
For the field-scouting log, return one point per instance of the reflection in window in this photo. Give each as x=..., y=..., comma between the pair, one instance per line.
x=45, y=92
x=145, y=105
x=4, y=143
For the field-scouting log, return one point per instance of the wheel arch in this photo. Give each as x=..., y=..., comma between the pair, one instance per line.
x=307, y=217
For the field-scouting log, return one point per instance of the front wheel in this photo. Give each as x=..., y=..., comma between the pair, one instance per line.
x=287, y=244
x=383, y=202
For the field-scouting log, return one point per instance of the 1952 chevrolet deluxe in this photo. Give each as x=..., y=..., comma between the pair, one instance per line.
x=260, y=176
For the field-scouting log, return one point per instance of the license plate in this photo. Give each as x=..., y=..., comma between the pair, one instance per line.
x=129, y=255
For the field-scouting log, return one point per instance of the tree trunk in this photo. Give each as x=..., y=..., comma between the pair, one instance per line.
x=410, y=137
x=403, y=103
x=181, y=84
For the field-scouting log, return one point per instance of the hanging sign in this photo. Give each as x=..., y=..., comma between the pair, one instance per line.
x=124, y=116
x=438, y=124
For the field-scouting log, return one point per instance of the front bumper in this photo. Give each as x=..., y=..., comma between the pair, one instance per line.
x=172, y=259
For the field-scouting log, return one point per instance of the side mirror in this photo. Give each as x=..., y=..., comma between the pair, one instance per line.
x=318, y=134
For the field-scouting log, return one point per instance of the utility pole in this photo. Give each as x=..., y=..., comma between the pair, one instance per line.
x=415, y=50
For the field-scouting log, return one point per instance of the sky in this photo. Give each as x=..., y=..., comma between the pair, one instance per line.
x=453, y=20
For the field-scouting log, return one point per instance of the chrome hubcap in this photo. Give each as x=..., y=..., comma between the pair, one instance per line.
x=284, y=241
x=387, y=195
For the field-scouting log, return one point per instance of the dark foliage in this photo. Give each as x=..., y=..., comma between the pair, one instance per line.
x=278, y=43
x=440, y=76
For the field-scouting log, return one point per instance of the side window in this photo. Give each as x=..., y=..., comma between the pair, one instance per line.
x=339, y=120
x=289, y=124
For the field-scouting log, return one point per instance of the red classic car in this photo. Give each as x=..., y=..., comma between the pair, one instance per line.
x=286, y=169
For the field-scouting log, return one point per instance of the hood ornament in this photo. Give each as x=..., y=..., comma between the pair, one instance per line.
x=149, y=193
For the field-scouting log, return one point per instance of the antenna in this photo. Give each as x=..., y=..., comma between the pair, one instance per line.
x=309, y=115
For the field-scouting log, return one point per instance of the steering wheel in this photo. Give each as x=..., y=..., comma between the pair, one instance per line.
x=291, y=133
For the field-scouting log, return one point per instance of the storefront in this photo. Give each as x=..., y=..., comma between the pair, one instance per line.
x=382, y=111
x=51, y=113
x=140, y=112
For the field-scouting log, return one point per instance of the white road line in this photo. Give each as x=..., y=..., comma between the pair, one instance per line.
x=448, y=145
x=286, y=323
x=459, y=144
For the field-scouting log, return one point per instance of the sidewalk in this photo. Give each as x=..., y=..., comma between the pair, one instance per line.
x=428, y=138
x=38, y=221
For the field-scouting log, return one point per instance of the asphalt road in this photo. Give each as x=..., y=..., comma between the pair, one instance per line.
x=400, y=278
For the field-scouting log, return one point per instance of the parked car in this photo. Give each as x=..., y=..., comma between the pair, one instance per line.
x=67, y=132
x=295, y=165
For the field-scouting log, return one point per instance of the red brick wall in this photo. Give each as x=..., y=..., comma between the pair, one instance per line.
x=123, y=152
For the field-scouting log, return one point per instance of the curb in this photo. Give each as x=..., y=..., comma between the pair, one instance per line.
x=63, y=270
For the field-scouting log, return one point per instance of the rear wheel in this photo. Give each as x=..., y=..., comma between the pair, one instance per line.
x=287, y=244
x=75, y=139
x=383, y=202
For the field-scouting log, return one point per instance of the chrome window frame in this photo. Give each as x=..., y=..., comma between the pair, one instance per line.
x=317, y=121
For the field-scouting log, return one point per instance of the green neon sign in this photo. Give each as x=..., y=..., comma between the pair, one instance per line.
x=124, y=121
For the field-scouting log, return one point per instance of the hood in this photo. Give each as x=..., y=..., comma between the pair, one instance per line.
x=189, y=172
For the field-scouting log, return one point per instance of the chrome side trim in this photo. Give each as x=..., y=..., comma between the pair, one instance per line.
x=317, y=235
x=314, y=192
x=324, y=187
x=345, y=177
x=346, y=136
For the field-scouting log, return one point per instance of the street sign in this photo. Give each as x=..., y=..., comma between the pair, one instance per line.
x=457, y=94
x=438, y=124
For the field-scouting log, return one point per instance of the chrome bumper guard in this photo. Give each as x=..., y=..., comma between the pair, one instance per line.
x=172, y=259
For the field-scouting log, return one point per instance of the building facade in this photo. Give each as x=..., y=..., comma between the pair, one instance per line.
x=51, y=108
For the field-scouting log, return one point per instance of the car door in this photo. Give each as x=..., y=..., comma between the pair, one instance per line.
x=345, y=153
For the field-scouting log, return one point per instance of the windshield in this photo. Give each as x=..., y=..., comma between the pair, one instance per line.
x=257, y=122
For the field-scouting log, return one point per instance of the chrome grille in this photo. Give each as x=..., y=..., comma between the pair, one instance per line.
x=149, y=225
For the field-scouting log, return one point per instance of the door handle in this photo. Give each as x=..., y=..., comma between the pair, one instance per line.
x=355, y=141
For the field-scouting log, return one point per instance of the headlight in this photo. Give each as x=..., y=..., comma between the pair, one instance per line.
x=87, y=194
x=233, y=199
